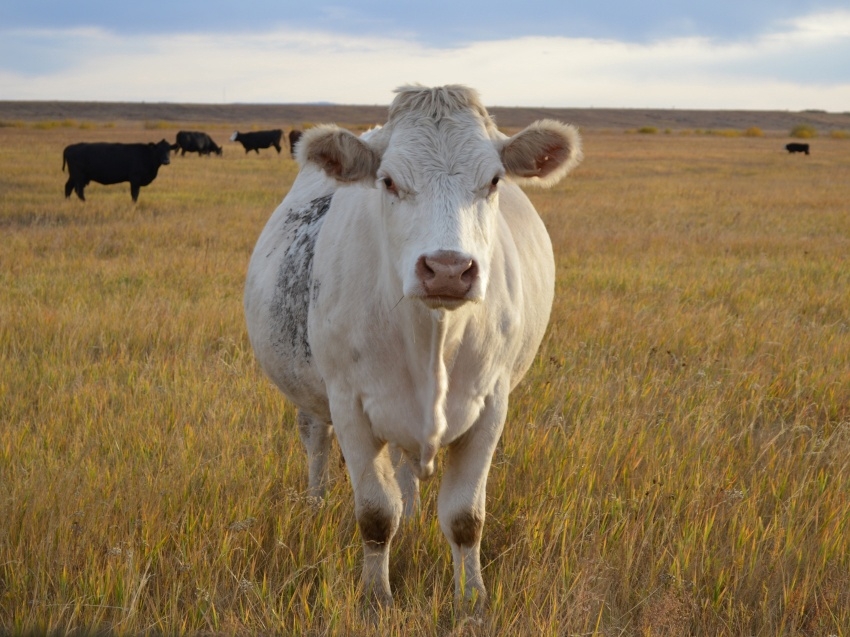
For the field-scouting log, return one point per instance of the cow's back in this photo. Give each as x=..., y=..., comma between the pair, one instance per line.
x=76, y=155
x=103, y=162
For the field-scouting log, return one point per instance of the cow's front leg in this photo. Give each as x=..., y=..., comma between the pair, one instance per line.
x=462, y=497
x=377, y=497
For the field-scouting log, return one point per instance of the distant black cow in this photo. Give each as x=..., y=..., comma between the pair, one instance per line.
x=189, y=141
x=112, y=164
x=796, y=147
x=294, y=136
x=258, y=139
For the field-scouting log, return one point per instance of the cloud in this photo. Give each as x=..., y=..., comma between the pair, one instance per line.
x=798, y=65
x=830, y=25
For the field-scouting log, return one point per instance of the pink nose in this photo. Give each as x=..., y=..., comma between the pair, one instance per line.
x=446, y=273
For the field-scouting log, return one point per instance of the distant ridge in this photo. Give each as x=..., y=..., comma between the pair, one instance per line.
x=510, y=117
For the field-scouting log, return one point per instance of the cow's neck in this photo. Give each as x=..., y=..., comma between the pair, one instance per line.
x=436, y=338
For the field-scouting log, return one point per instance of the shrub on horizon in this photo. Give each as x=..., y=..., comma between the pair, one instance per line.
x=804, y=131
x=51, y=124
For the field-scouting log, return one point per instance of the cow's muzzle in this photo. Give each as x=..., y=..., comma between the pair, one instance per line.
x=446, y=277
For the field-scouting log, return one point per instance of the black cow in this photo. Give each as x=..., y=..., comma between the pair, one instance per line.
x=258, y=139
x=796, y=147
x=294, y=136
x=108, y=163
x=189, y=141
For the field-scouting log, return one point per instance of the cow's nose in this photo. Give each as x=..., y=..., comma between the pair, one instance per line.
x=446, y=274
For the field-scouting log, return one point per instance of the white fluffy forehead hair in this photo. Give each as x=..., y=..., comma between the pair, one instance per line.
x=452, y=117
x=441, y=103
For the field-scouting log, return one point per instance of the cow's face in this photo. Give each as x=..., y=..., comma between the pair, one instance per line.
x=438, y=179
x=439, y=193
x=162, y=152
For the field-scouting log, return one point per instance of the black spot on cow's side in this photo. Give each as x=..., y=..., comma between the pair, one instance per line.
x=376, y=525
x=291, y=300
x=466, y=528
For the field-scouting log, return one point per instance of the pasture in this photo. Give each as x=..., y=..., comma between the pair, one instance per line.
x=675, y=463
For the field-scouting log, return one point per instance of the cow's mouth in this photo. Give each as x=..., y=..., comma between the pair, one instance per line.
x=440, y=302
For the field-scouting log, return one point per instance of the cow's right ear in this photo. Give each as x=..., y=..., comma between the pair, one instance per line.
x=340, y=153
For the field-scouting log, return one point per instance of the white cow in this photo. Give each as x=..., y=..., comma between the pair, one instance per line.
x=400, y=291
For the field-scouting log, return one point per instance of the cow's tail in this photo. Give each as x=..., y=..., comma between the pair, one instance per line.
x=64, y=159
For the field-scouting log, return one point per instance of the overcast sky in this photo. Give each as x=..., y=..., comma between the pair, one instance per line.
x=750, y=54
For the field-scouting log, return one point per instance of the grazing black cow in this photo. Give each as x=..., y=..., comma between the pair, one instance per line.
x=258, y=139
x=796, y=147
x=108, y=163
x=189, y=141
x=294, y=136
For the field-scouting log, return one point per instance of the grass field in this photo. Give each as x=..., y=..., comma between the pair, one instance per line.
x=676, y=462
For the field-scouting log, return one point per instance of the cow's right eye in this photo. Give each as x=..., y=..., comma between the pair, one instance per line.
x=389, y=184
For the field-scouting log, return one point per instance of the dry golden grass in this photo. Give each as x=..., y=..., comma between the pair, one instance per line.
x=676, y=462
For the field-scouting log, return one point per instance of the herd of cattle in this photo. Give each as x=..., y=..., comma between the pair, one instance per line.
x=114, y=163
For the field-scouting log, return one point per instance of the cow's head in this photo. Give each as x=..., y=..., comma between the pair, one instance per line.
x=162, y=151
x=438, y=164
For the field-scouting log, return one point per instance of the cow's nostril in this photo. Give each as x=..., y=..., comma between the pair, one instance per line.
x=469, y=275
x=423, y=270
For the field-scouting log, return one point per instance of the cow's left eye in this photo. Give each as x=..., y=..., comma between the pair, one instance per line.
x=494, y=184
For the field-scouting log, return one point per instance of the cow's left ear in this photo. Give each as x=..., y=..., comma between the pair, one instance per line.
x=542, y=154
x=340, y=153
